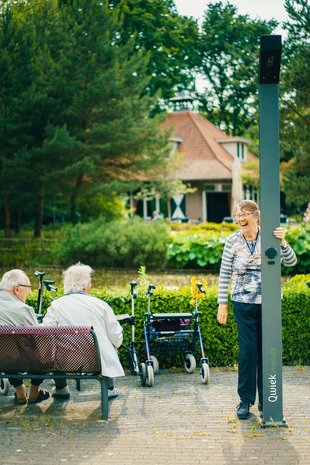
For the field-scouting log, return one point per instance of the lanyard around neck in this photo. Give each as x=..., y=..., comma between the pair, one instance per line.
x=251, y=246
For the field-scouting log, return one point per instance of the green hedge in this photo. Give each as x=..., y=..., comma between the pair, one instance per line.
x=220, y=342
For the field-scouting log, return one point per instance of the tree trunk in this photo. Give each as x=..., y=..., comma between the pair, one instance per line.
x=18, y=221
x=7, y=218
x=38, y=222
x=74, y=213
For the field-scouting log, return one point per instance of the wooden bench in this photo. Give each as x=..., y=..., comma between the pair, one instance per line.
x=50, y=352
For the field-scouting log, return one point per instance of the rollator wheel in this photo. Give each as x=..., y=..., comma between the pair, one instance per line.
x=5, y=386
x=189, y=363
x=150, y=375
x=155, y=363
x=143, y=374
x=205, y=373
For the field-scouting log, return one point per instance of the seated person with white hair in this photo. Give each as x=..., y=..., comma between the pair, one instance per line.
x=78, y=308
x=14, y=289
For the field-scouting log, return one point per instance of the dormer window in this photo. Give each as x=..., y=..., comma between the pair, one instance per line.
x=241, y=151
x=174, y=144
x=236, y=146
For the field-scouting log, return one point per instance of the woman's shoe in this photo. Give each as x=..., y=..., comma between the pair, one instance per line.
x=243, y=410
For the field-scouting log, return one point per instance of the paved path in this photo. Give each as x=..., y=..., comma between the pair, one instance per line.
x=178, y=421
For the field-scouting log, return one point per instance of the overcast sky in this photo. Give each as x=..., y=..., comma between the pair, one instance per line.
x=264, y=9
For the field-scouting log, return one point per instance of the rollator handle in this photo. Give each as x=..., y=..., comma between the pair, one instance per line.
x=48, y=284
x=150, y=289
x=201, y=289
x=132, y=289
x=39, y=273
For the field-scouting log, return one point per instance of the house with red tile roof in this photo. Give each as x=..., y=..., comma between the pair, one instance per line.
x=210, y=163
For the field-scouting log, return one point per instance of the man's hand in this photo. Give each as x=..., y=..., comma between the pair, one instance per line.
x=222, y=314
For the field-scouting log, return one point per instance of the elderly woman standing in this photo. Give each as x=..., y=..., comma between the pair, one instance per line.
x=78, y=307
x=241, y=261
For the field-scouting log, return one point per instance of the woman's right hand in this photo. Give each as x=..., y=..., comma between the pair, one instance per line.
x=222, y=314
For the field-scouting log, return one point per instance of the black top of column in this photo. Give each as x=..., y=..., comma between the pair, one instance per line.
x=270, y=59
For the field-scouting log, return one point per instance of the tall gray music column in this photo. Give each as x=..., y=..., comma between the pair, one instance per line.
x=269, y=72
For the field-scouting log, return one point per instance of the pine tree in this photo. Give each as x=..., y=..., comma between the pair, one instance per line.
x=78, y=110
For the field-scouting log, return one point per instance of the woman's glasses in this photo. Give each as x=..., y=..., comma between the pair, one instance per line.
x=242, y=215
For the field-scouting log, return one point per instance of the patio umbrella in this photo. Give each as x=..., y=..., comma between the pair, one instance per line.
x=237, y=189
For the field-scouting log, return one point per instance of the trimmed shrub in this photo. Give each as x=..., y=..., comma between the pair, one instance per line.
x=124, y=243
x=220, y=342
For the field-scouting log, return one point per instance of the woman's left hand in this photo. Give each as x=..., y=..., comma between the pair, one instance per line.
x=279, y=233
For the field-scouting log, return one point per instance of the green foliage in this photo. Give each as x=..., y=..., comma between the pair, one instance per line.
x=132, y=243
x=295, y=104
x=195, y=248
x=298, y=282
x=228, y=48
x=144, y=279
x=28, y=253
x=220, y=342
x=299, y=240
x=126, y=243
x=296, y=325
x=192, y=250
x=73, y=105
x=170, y=41
x=206, y=226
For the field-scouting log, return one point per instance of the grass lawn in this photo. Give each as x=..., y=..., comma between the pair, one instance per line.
x=111, y=278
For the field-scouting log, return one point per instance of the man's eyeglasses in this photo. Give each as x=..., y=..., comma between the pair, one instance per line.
x=25, y=285
x=242, y=215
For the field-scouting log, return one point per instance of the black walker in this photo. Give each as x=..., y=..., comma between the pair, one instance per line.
x=166, y=332
x=43, y=284
x=133, y=360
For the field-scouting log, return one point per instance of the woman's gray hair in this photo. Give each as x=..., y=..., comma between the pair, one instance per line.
x=251, y=207
x=12, y=278
x=77, y=277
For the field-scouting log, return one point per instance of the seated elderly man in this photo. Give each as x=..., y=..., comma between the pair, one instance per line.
x=14, y=289
x=78, y=308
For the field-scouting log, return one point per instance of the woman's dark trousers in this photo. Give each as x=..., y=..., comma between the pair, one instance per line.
x=249, y=324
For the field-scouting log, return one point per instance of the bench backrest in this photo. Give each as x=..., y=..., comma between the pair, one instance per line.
x=43, y=349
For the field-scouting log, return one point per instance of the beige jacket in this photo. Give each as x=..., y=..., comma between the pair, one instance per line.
x=15, y=312
x=82, y=309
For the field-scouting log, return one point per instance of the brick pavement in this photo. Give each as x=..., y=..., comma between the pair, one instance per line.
x=177, y=421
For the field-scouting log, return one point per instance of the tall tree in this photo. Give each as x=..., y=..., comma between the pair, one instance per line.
x=169, y=39
x=81, y=119
x=107, y=104
x=295, y=105
x=15, y=77
x=228, y=49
